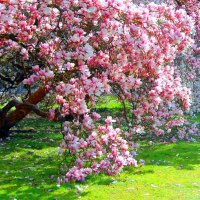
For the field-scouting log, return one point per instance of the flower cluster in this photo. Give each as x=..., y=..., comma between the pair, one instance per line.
x=100, y=150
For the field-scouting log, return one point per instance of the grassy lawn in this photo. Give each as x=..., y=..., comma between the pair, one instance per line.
x=29, y=167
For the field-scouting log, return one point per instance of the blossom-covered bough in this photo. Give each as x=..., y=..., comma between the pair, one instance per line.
x=74, y=51
x=190, y=63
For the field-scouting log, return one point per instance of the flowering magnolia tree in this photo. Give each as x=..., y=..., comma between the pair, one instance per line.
x=190, y=63
x=160, y=120
x=75, y=51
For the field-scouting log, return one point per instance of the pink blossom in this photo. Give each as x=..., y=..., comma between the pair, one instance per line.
x=51, y=114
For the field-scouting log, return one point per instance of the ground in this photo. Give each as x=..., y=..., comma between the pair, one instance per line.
x=29, y=168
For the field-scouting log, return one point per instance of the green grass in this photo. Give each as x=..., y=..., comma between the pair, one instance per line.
x=29, y=167
x=29, y=160
x=109, y=102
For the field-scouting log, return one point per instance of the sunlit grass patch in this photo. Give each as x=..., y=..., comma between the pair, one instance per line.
x=30, y=168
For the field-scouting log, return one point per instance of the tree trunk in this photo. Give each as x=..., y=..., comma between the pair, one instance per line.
x=22, y=110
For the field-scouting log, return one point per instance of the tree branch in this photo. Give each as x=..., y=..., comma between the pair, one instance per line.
x=9, y=36
x=23, y=105
x=7, y=79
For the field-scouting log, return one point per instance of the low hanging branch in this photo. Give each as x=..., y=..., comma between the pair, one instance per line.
x=9, y=120
x=22, y=110
x=25, y=106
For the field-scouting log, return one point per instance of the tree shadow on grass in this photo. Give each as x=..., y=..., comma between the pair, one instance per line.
x=103, y=179
x=44, y=193
x=30, y=177
x=138, y=171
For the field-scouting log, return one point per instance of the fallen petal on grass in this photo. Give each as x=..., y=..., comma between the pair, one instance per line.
x=154, y=186
x=195, y=184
